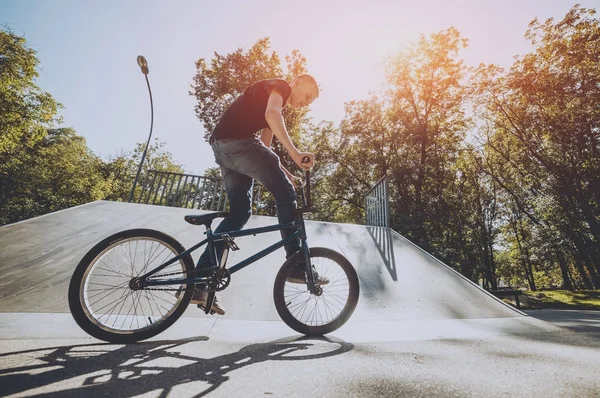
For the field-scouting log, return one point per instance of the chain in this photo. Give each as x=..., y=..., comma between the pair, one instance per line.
x=170, y=289
x=169, y=274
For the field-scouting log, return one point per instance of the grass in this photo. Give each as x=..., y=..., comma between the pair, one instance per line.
x=562, y=299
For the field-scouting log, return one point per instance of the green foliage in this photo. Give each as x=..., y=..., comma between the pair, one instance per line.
x=25, y=110
x=55, y=173
x=543, y=143
x=582, y=300
x=412, y=132
x=119, y=172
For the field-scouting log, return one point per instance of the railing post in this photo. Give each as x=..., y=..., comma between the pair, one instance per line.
x=178, y=189
x=377, y=204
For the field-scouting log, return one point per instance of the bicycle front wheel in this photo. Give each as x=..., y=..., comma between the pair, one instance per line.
x=102, y=301
x=334, y=303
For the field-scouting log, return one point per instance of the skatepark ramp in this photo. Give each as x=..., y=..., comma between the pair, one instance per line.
x=403, y=288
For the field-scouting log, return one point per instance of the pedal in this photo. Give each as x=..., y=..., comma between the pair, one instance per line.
x=230, y=242
x=211, y=312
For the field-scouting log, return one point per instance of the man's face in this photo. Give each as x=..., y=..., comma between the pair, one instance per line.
x=303, y=94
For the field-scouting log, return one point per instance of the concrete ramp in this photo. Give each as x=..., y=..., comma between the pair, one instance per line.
x=400, y=283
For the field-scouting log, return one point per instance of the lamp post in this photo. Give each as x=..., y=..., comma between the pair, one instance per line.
x=144, y=66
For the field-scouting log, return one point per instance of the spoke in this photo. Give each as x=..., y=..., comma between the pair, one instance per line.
x=150, y=298
x=135, y=253
x=128, y=312
x=135, y=308
x=110, y=270
x=311, y=313
x=304, y=307
x=160, y=298
x=120, y=300
x=149, y=302
x=111, y=286
x=108, y=293
x=117, y=301
x=107, y=276
x=130, y=257
x=116, y=269
x=123, y=258
x=328, y=310
x=151, y=260
x=327, y=307
x=103, y=290
x=318, y=311
x=338, y=298
x=293, y=296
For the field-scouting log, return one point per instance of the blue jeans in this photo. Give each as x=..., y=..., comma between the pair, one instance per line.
x=242, y=161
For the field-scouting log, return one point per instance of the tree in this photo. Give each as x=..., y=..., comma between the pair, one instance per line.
x=57, y=172
x=119, y=171
x=26, y=111
x=428, y=96
x=544, y=130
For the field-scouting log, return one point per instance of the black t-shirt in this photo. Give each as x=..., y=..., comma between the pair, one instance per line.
x=246, y=115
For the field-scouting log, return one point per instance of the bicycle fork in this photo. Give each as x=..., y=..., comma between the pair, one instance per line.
x=309, y=271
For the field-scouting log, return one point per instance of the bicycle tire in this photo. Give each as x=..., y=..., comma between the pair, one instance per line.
x=284, y=301
x=80, y=295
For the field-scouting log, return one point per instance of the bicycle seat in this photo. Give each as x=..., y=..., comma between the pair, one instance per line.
x=205, y=219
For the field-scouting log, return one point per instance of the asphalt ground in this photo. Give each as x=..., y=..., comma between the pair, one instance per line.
x=560, y=363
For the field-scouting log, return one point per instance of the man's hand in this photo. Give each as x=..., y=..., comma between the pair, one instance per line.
x=298, y=157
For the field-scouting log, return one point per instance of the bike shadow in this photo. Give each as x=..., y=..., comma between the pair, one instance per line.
x=132, y=370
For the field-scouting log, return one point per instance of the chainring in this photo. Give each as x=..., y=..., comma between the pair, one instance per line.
x=219, y=279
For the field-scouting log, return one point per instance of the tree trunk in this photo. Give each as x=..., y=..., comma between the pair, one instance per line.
x=564, y=270
x=585, y=262
x=587, y=283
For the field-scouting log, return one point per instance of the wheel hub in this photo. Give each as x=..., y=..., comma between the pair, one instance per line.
x=135, y=284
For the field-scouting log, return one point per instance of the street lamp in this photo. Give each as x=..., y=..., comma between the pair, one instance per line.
x=144, y=66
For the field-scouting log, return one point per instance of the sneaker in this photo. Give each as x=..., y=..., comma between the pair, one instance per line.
x=298, y=275
x=199, y=298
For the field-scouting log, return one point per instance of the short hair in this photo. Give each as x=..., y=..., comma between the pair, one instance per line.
x=306, y=78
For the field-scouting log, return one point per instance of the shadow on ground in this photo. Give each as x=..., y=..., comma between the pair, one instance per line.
x=132, y=370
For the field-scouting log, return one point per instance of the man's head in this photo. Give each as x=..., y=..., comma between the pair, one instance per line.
x=304, y=91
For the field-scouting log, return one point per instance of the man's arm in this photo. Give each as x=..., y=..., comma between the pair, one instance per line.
x=276, y=124
x=266, y=136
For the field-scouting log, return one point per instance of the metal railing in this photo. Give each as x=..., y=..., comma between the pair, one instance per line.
x=183, y=190
x=377, y=205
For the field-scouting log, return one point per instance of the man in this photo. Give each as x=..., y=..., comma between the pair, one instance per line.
x=244, y=156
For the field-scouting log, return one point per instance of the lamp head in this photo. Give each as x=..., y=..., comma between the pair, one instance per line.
x=143, y=64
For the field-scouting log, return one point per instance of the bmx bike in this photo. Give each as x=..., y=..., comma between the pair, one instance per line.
x=136, y=283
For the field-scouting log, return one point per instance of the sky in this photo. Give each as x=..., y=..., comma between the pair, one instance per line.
x=88, y=51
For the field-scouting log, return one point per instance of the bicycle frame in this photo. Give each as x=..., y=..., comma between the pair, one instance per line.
x=211, y=237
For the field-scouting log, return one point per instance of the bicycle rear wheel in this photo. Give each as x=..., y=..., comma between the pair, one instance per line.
x=316, y=315
x=100, y=297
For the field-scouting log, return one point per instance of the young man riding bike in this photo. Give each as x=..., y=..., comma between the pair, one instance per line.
x=241, y=144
